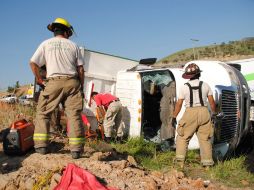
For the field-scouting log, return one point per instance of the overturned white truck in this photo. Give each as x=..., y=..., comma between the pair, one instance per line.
x=128, y=80
x=246, y=67
x=142, y=110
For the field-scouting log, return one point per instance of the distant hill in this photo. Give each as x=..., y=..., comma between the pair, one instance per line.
x=232, y=50
x=21, y=91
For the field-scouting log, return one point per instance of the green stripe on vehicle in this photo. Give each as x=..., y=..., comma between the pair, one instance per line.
x=249, y=77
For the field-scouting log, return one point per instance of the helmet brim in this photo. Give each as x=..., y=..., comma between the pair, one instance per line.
x=189, y=76
x=50, y=28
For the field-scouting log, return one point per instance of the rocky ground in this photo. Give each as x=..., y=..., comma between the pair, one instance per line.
x=35, y=171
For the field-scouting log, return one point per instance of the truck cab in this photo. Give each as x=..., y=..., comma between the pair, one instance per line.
x=140, y=91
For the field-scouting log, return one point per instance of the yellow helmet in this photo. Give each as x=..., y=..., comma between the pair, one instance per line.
x=61, y=22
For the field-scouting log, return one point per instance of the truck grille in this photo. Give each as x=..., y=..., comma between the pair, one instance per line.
x=229, y=124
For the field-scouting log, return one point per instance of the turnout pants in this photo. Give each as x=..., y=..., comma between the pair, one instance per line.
x=113, y=119
x=167, y=106
x=195, y=120
x=66, y=90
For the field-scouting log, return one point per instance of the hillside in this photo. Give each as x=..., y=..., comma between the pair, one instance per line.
x=21, y=91
x=232, y=50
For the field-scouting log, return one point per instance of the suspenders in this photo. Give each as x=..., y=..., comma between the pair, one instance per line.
x=199, y=88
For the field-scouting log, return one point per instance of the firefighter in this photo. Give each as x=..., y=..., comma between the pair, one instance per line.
x=64, y=84
x=196, y=118
x=113, y=116
x=167, y=105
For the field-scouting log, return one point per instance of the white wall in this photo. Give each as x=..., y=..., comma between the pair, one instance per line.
x=101, y=69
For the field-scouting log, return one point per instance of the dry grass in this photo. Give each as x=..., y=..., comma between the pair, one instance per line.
x=13, y=112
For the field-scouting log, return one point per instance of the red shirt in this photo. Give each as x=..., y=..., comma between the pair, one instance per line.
x=104, y=99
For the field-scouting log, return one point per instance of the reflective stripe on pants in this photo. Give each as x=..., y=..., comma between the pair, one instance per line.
x=77, y=141
x=41, y=139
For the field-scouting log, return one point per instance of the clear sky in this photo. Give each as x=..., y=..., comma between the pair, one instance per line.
x=133, y=29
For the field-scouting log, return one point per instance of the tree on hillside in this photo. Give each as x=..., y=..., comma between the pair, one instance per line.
x=17, y=84
x=10, y=89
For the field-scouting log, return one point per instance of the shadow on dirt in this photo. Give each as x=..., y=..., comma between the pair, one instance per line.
x=57, y=147
x=11, y=163
x=250, y=156
x=246, y=148
x=249, y=162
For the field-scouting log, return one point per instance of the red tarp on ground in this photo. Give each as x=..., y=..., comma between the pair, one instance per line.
x=76, y=178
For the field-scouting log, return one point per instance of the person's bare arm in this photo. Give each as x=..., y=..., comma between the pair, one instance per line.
x=178, y=107
x=81, y=75
x=36, y=71
x=212, y=103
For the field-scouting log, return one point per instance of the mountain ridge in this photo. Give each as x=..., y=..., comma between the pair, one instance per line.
x=233, y=50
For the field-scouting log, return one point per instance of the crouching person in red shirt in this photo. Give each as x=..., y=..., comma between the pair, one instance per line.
x=113, y=116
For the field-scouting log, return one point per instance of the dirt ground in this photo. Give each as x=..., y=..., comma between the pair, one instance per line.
x=35, y=171
x=111, y=168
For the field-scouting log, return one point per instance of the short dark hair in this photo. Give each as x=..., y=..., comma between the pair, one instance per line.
x=59, y=31
x=94, y=93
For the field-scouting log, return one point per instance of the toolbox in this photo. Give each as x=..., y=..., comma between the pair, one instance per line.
x=18, y=139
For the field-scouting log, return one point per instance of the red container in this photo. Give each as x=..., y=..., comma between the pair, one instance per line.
x=19, y=138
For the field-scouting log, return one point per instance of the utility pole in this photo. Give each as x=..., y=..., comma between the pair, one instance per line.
x=215, y=55
x=193, y=48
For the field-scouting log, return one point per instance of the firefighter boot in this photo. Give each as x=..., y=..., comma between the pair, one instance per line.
x=107, y=139
x=119, y=140
x=41, y=150
x=75, y=154
x=207, y=167
x=179, y=164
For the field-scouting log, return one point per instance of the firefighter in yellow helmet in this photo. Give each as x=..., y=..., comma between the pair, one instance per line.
x=63, y=84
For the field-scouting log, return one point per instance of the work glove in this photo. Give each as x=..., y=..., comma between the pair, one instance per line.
x=41, y=83
x=217, y=116
x=213, y=117
x=173, y=122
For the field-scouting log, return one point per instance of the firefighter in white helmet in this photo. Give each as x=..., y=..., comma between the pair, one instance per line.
x=64, y=84
x=196, y=118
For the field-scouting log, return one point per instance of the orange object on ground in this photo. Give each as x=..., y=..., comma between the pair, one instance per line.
x=18, y=139
x=100, y=114
x=75, y=177
x=90, y=134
